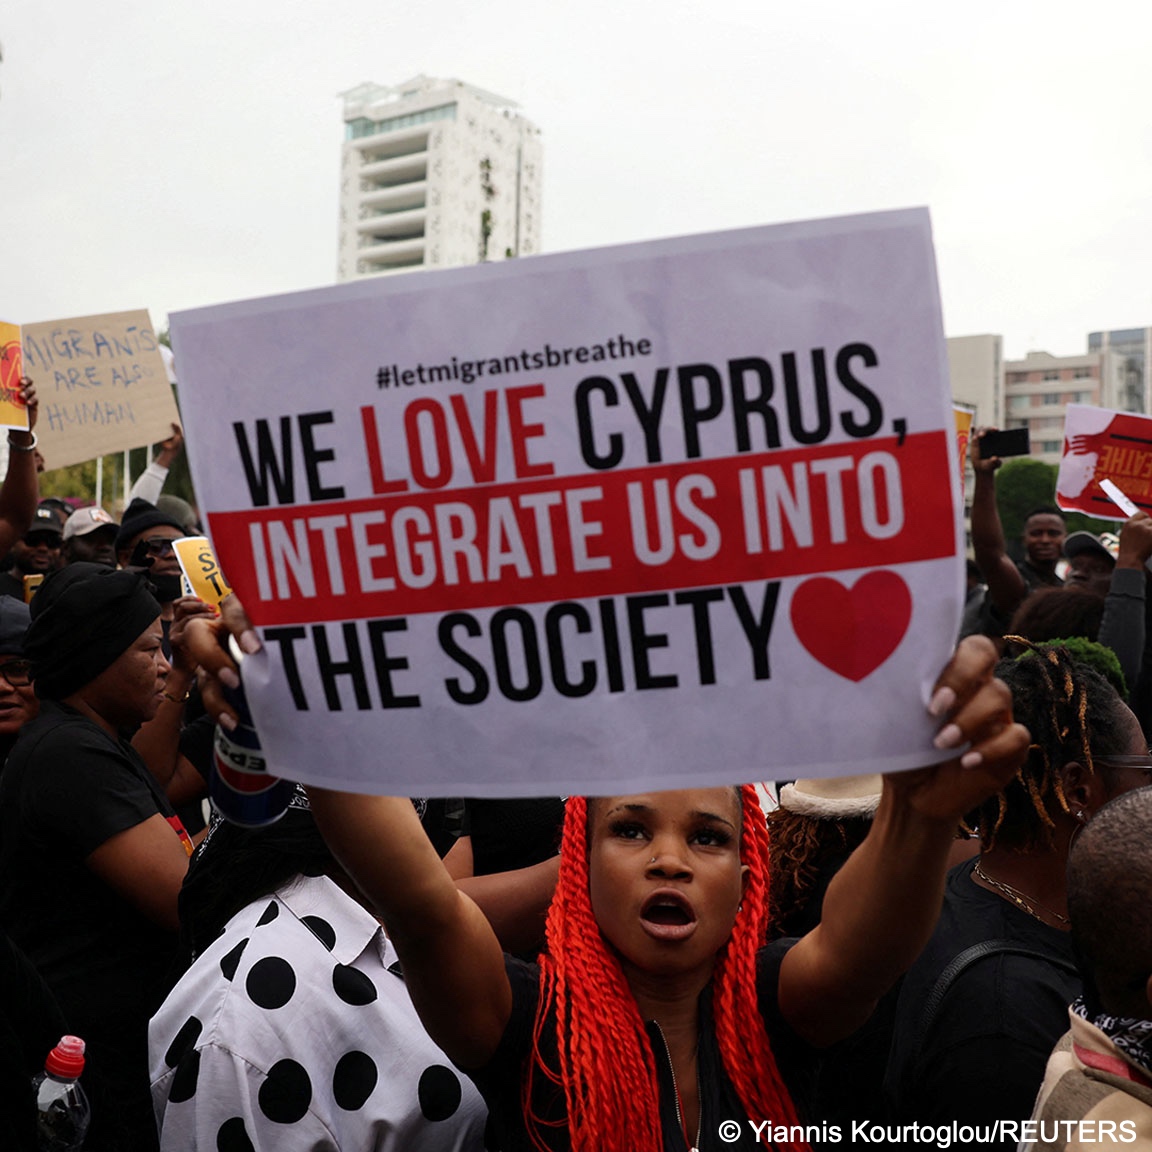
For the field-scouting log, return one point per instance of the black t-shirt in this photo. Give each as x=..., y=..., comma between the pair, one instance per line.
x=12, y=584
x=67, y=788
x=500, y=1080
x=983, y=618
x=984, y=1057
x=1037, y=578
x=30, y=1024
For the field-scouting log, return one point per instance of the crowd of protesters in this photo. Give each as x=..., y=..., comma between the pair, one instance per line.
x=668, y=971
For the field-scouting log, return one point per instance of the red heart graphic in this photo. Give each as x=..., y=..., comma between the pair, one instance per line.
x=852, y=630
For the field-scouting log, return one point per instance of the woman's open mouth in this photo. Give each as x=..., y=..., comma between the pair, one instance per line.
x=668, y=915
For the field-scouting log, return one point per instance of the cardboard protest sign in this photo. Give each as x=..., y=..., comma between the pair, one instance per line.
x=1100, y=445
x=631, y=518
x=101, y=383
x=13, y=412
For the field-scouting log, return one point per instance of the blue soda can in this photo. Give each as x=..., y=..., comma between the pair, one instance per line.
x=240, y=786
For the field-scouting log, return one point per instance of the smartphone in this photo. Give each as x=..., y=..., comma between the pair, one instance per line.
x=1013, y=442
x=31, y=583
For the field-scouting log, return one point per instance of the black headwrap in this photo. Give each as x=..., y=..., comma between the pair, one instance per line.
x=83, y=618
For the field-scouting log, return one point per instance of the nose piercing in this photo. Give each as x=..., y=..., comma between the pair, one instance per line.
x=653, y=860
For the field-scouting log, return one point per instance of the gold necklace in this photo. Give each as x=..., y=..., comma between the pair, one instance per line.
x=1018, y=898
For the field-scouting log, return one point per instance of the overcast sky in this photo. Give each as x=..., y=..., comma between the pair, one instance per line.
x=169, y=156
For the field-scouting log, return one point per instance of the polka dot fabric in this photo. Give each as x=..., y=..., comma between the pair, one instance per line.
x=291, y=1032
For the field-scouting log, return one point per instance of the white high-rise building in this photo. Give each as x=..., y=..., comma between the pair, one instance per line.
x=1127, y=379
x=435, y=174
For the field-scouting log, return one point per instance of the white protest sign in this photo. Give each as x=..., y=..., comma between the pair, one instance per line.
x=632, y=518
x=1102, y=445
x=102, y=385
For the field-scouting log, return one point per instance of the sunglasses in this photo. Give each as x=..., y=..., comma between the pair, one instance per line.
x=157, y=546
x=18, y=673
x=1143, y=762
x=48, y=539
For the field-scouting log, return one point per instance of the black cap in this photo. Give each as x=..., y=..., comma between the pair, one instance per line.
x=1080, y=542
x=45, y=520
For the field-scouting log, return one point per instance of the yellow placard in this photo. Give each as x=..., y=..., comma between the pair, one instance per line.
x=198, y=563
x=963, y=414
x=13, y=413
x=31, y=583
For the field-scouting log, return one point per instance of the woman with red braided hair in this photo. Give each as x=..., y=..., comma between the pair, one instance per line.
x=656, y=1019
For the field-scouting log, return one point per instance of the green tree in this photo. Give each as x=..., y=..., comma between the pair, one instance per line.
x=1022, y=485
x=78, y=481
x=1079, y=522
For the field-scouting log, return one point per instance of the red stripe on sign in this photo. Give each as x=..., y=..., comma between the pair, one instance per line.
x=759, y=516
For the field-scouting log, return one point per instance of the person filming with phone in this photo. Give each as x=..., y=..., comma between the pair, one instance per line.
x=1008, y=582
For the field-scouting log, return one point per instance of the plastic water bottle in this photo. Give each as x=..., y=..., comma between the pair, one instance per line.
x=62, y=1108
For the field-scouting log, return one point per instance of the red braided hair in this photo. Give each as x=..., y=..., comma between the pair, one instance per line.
x=743, y=1040
x=606, y=1067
